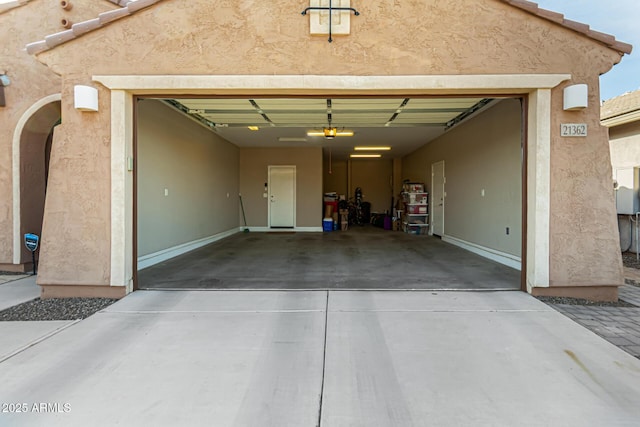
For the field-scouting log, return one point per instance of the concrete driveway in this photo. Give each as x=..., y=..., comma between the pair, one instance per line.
x=329, y=358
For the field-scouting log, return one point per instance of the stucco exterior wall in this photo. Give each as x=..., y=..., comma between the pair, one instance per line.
x=389, y=38
x=584, y=244
x=481, y=154
x=76, y=230
x=624, y=145
x=198, y=169
x=30, y=82
x=254, y=173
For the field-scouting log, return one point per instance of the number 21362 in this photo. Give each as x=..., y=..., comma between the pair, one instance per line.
x=573, y=129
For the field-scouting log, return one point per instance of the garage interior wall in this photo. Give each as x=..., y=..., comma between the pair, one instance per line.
x=483, y=153
x=254, y=173
x=374, y=177
x=188, y=180
x=335, y=176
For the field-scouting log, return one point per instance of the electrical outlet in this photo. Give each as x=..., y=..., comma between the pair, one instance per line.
x=166, y=192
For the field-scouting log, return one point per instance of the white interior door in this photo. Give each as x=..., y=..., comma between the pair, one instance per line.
x=437, y=198
x=282, y=196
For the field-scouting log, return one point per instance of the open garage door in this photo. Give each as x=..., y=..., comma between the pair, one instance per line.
x=197, y=156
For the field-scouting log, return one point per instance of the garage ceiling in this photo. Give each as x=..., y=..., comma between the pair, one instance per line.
x=402, y=123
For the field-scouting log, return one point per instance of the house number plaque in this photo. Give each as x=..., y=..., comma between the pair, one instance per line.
x=573, y=129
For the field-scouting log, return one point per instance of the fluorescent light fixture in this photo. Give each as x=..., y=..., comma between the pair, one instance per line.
x=366, y=156
x=291, y=139
x=253, y=127
x=372, y=148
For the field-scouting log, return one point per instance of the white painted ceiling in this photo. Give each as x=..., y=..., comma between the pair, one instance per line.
x=405, y=124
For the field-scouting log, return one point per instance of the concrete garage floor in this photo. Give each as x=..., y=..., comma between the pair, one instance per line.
x=322, y=358
x=360, y=258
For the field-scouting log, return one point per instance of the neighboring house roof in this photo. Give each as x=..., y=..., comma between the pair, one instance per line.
x=131, y=7
x=15, y=3
x=558, y=18
x=621, y=109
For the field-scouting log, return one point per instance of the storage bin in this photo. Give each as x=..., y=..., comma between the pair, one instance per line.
x=417, y=209
x=327, y=224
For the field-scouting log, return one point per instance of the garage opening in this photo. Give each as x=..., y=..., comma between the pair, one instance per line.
x=443, y=194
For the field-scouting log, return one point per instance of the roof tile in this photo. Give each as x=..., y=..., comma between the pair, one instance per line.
x=37, y=47
x=608, y=40
x=85, y=26
x=59, y=38
x=135, y=6
x=113, y=15
x=625, y=103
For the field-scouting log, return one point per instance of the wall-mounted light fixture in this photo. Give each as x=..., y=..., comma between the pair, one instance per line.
x=576, y=97
x=85, y=98
x=4, y=81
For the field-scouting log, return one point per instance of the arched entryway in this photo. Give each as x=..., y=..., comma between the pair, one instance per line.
x=31, y=154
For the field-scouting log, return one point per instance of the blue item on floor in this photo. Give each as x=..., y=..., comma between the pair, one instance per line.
x=327, y=224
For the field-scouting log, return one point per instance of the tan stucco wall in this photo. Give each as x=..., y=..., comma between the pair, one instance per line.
x=76, y=230
x=198, y=169
x=218, y=37
x=624, y=145
x=481, y=154
x=254, y=173
x=30, y=82
x=584, y=244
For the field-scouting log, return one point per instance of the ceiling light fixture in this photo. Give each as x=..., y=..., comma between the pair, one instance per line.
x=291, y=139
x=330, y=133
x=253, y=127
x=366, y=156
x=372, y=148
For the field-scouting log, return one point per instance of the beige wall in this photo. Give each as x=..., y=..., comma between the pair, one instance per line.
x=254, y=165
x=624, y=145
x=197, y=168
x=337, y=179
x=584, y=245
x=481, y=154
x=30, y=82
x=374, y=177
x=214, y=37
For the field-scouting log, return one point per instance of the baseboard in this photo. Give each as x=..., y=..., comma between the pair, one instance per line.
x=165, y=254
x=492, y=254
x=283, y=230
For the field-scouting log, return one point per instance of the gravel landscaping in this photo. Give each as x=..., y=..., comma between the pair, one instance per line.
x=580, y=301
x=629, y=260
x=55, y=309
